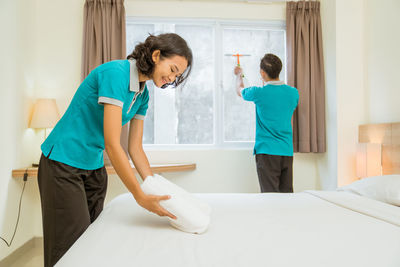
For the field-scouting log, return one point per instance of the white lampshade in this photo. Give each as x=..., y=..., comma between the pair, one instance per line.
x=369, y=159
x=45, y=113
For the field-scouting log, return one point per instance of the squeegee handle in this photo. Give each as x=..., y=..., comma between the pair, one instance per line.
x=238, y=60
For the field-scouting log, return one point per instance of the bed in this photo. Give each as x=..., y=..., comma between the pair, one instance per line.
x=311, y=228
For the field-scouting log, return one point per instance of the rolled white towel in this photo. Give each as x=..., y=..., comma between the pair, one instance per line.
x=193, y=215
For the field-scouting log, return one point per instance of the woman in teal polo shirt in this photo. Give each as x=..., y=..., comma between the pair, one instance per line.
x=72, y=177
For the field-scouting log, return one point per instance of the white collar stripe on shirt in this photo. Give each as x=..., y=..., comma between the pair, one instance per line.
x=134, y=84
x=275, y=82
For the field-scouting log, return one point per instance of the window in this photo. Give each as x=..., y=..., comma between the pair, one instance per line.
x=206, y=112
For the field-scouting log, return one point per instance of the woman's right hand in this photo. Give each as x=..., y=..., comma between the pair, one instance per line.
x=152, y=204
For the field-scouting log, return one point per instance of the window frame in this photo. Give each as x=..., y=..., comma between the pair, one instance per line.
x=218, y=119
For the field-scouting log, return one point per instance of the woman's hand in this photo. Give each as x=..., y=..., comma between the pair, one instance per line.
x=151, y=203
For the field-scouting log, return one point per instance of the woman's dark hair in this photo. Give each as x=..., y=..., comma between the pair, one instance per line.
x=272, y=65
x=169, y=44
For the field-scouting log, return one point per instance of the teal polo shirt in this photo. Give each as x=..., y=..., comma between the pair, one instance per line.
x=275, y=103
x=78, y=138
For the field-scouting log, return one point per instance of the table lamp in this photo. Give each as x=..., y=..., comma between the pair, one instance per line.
x=45, y=115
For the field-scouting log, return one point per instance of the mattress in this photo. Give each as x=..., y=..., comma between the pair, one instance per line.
x=311, y=228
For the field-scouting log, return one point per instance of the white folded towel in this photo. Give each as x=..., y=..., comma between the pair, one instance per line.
x=193, y=215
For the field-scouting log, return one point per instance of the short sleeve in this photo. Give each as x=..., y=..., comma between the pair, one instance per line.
x=141, y=113
x=112, y=87
x=250, y=93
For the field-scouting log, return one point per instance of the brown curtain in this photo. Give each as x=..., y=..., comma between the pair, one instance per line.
x=305, y=71
x=104, y=37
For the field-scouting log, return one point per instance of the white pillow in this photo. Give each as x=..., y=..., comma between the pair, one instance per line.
x=193, y=215
x=385, y=188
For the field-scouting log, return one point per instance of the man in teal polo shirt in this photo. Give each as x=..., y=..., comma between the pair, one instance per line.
x=275, y=103
x=72, y=177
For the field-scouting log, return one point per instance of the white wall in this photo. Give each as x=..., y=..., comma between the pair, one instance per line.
x=383, y=60
x=327, y=162
x=42, y=58
x=350, y=83
x=13, y=109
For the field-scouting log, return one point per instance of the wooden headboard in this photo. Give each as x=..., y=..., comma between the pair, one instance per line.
x=387, y=134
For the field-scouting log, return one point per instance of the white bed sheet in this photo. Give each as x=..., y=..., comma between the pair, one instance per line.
x=314, y=228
